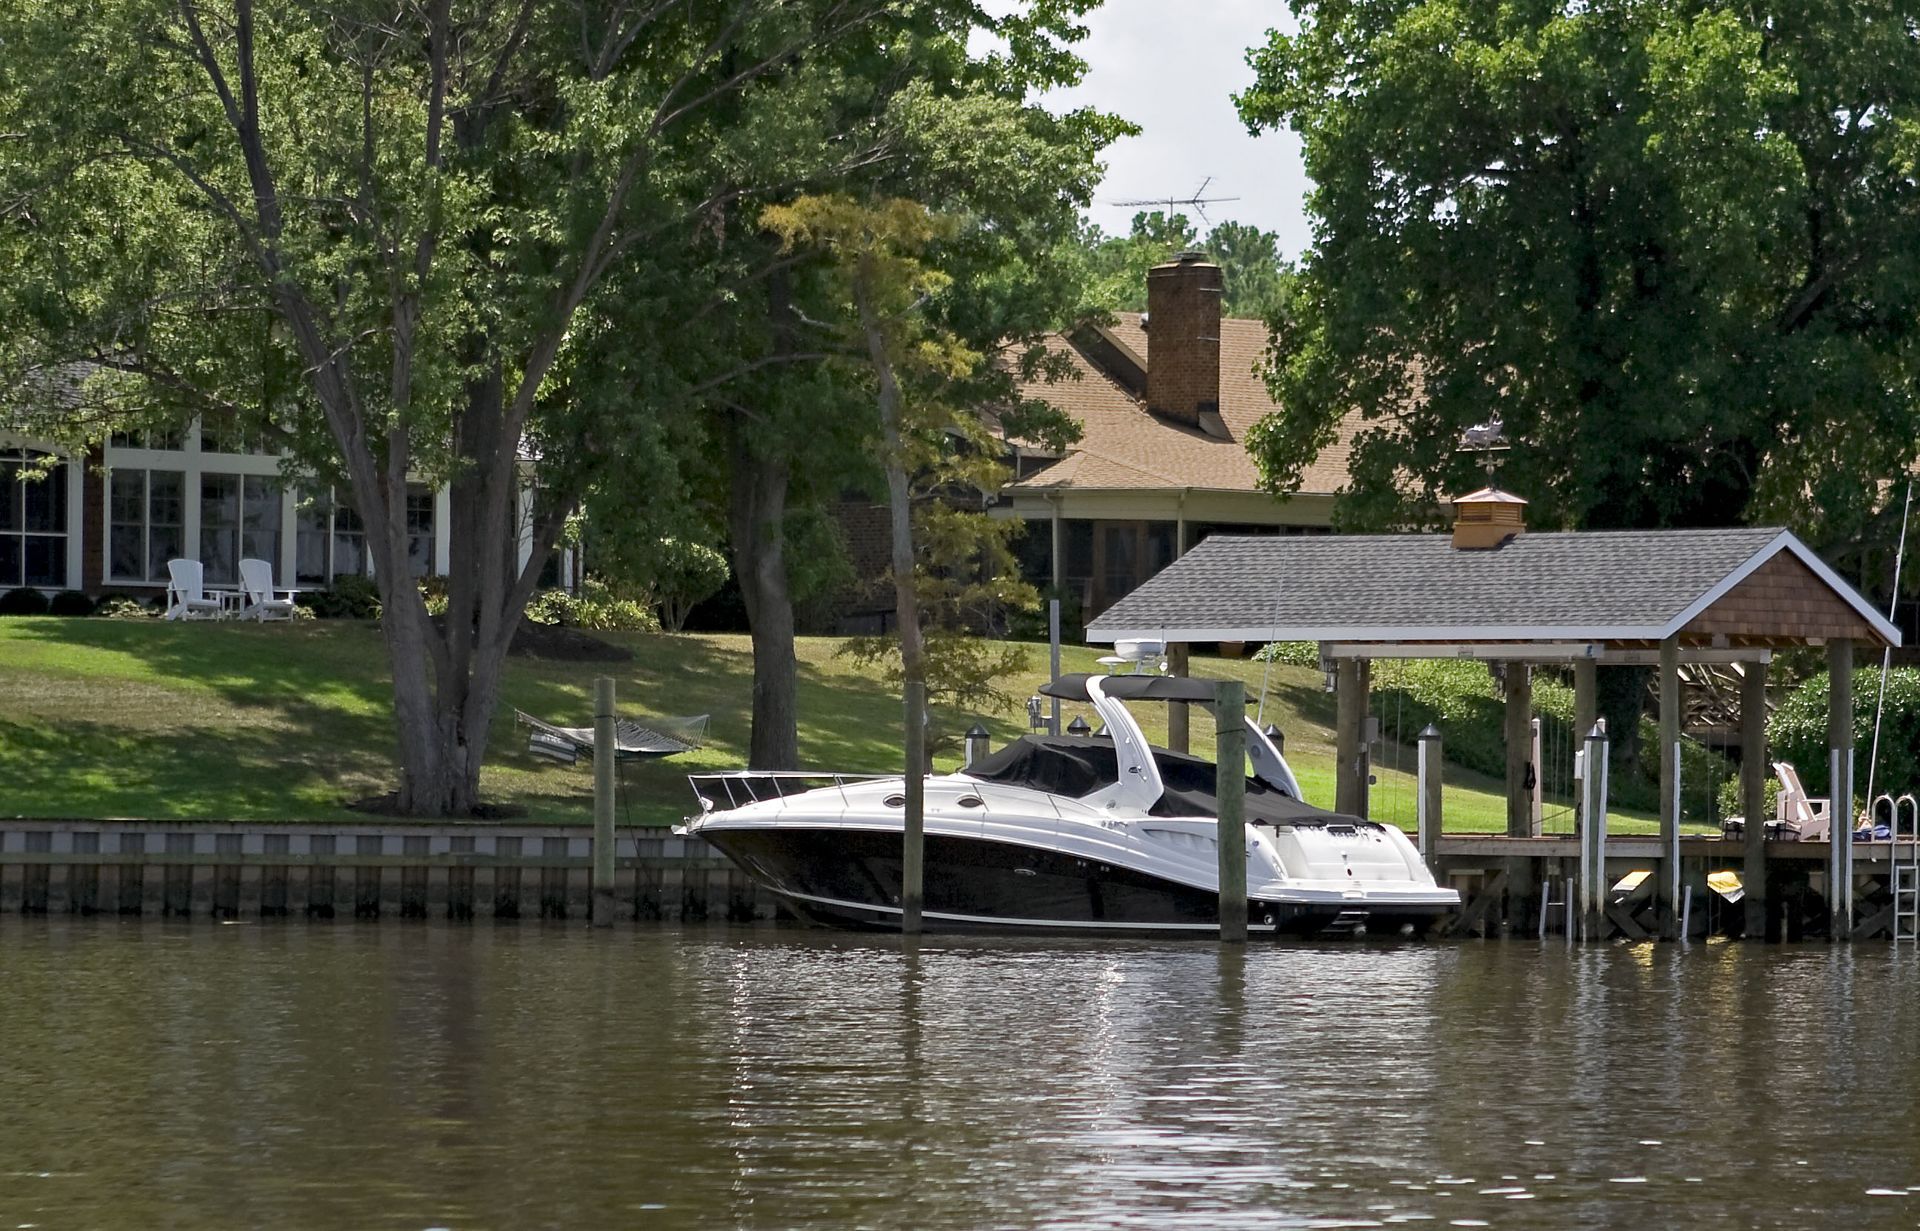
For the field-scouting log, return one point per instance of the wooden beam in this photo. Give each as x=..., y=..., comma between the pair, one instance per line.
x=1665, y=901
x=1230, y=784
x=1179, y=663
x=1753, y=797
x=1519, y=737
x=1349, y=737
x=1840, y=786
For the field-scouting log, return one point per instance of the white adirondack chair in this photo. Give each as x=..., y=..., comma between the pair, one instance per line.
x=262, y=601
x=187, y=598
x=1797, y=816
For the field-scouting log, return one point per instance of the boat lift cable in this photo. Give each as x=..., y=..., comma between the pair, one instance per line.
x=1886, y=657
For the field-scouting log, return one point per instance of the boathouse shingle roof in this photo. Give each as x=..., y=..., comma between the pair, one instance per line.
x=1634, y=585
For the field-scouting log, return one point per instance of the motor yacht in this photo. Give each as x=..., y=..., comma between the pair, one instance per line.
x=1071, y=833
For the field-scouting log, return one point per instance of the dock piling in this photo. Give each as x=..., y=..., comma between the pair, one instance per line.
x=1229, y=720
x=1428, y=771
x=605, y=749
x=1593, y=836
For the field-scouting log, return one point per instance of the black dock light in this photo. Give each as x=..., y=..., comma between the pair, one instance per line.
x=1079, y=726
x=1277, y=737
x=977, y=738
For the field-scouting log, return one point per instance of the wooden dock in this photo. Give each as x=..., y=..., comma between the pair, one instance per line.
x=372, y=871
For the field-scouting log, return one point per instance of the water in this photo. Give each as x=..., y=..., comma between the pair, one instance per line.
x=401, y=1076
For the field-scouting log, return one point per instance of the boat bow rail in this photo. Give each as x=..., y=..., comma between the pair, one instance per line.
x=741, y=787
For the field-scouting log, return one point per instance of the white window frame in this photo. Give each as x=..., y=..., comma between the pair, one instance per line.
x=76, y=507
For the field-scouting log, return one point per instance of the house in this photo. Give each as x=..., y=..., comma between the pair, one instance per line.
x=110, y=522
x=1165, y=400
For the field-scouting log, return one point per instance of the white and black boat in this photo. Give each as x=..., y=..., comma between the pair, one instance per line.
x=1070, y=833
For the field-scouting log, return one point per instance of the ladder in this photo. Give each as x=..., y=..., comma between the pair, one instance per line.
x=1904, y=853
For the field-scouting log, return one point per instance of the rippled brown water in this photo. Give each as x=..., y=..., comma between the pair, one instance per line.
x=427, y=1076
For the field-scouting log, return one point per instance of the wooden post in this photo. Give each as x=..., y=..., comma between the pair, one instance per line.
x=1230, y=788
x=1593, y=836
x=1666, y=904
x=606, y=747
x=914, y=832
x=1840, y=784
x=1753, y=797
x=1519, y=737
x=1349, y=735
x=1586, y=712
x=1179, y=663
x=1430, y=796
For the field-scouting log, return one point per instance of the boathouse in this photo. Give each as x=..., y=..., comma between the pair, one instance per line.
x=1494, y=591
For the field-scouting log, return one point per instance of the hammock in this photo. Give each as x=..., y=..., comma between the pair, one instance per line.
x=665, y=737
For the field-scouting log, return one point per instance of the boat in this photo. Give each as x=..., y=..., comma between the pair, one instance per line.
x=1075, y=833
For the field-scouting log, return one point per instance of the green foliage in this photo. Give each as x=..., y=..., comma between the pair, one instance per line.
x=350, y=597
x=1673, y=246
x=1292, y=653
x=23, y=602
x=1251, y=268
x=123, y=608
x=597, y=608
x=70, y=603
x=965, y=678
x=1797, y=732
x=1732, y=805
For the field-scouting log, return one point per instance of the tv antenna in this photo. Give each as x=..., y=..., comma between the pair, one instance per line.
x=1198, y=201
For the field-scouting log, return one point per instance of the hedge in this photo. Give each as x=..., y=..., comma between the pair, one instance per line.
x=1797, y=732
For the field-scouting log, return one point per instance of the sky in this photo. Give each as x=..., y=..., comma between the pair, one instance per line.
x=1172, y=66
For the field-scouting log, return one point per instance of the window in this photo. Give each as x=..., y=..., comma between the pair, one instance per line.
x=239, y=519
x=151, y=438
x=233, y=439
x=419, y=530
x=33, y=522
x=350, y=542
x=146, y=523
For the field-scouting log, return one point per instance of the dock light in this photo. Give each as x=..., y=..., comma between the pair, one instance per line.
x=1079, y=727
x=977, y=738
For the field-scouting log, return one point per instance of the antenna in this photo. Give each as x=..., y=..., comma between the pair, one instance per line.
x=1198, y=201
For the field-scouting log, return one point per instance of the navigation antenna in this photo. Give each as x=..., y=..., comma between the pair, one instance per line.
x=1198, y=201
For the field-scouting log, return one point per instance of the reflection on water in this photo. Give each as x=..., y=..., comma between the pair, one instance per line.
x=427, y=1076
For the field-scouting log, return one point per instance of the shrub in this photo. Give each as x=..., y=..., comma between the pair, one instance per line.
x=594, y=609
x=349, y=598
x=1730, y=804
x=1797, y=732
x=1290, y=653
x=124, y=608
x=70, y=603
x=23, y=603
x=685, y=573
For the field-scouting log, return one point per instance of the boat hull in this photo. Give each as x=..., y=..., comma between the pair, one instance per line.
x=838, y=877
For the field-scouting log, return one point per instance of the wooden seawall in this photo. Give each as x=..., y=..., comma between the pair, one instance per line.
x=346, y=871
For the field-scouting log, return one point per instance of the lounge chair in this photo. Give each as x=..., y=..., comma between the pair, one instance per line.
x=263, y=602
x=187, y=598
x=1797, y=818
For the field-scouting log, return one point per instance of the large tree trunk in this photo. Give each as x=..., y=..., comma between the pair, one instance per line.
x=757, y=521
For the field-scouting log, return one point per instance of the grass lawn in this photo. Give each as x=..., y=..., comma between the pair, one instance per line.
x=147, y=719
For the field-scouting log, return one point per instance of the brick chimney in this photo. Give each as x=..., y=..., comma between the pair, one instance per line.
x=1183, y=341
x=1487, y=519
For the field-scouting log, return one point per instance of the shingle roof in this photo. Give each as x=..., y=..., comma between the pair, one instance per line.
x=1122, y=446
x=1622, y=585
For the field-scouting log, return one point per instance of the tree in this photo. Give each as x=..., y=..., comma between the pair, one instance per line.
x=1249, y=260
x=418, y=241
x=1675, y=247
x=799, y=437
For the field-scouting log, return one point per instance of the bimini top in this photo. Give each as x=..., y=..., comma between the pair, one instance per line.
x=1757, y=587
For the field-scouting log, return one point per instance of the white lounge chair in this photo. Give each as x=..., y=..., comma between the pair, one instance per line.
x=1796, y=816
x=262, y=601
x=187, y=598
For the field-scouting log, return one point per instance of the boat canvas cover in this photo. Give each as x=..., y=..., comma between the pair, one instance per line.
x=1077, y=766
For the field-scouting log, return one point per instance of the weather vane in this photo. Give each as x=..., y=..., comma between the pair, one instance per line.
x=1486, y=439
x=1198, y=201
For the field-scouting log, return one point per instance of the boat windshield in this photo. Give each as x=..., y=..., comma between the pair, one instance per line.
x=1077, y=766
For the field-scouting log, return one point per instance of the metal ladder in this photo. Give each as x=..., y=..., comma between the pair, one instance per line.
x=1904, y=855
